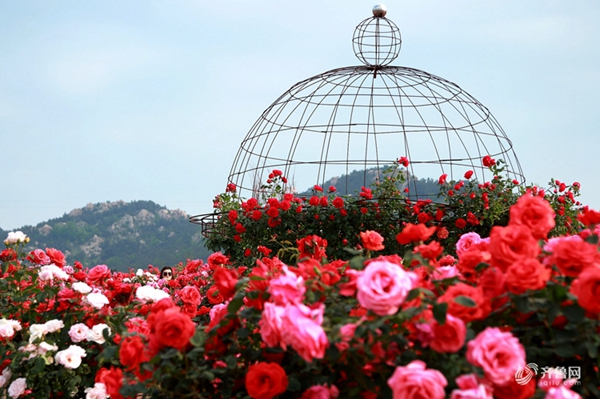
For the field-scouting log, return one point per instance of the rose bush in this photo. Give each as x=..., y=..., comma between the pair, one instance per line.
x=404, y=312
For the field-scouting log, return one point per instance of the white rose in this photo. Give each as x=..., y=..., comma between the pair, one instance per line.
x=46, y=347
x=8, y=327
x=82, y=288
x=147, y=293
x=139, y=273
x=17, y=388
x=70, y=357
x=97, y=300
x=37, y=331
x=54, y=325
x=97, y=392
x=15, y=237
x=78, y=332
x=95, y=334
x=50, y=272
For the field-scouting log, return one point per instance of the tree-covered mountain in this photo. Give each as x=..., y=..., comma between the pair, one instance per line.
x=355, y=180
x=120, y=235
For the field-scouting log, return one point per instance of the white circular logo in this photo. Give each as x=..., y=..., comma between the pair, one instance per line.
x=524, y=375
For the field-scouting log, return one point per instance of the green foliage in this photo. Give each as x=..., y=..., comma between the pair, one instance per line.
x=122, y=235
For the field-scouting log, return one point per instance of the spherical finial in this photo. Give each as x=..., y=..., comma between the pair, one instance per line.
x=379, y=10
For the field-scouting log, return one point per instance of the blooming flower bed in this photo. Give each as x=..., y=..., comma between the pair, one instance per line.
x=403, y=314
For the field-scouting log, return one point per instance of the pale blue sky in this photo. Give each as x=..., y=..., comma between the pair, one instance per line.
x=149, y=100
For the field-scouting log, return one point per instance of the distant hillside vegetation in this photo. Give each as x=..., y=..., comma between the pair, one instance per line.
x=120, y=235
x=355, y=180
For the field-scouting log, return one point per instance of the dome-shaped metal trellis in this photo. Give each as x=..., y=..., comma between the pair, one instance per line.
x=358, y=118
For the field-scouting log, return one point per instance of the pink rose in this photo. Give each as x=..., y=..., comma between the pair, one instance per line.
x=287, y=288
x=498, y=353
x=78, y=332
x=270, y=324
x=97, y=273
x=466, y=241
x=383, y=286
x=415, y=381
x=321, y=392
x=561, y=392
x=470, y=388
x=301, y=329
x=39, y=257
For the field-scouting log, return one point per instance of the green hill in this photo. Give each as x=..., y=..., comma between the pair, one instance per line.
x=120, y=235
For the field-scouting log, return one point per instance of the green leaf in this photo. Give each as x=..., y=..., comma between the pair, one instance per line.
x=198, y=339
x=521, y=303
x=243, y=333
x=412, y=294
x=439, y=312
x=592, y=239
x=552, y=312
x=592, y=349
x=574, y=313
x=293, y=384
x=357, y=262
x=465, y=301
x=235, y=305
x=565, y=350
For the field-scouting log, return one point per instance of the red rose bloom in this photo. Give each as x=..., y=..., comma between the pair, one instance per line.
x=468, y=174
x=587, y=289
x=98, y=273
x=372, y=240
x=173, y=329
x=214, y=296
x=190, y=295
x=113, y=381
x=266, y=380
x=510, y=244
x=482, y=305
x=225, y=281
x=534, y=213
x=528, y=274
x=132, y=352
x=56, y=257
x=414, y=233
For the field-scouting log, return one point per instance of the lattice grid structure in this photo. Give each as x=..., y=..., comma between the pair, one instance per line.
x=362, y=118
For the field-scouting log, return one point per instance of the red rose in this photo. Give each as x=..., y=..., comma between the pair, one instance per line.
x=450, y=337
x=214, y=295
x=217, y=259
x=460, y=223
x=571, y=255
x=314, y=200
x=510, y=244
x=414, y=233
x=132, y=352
x=527, y=274
x=442, y=179
x=56, y=257
x=587, y=289
x=338, y=202
x=372, y=240
x=190, y=295
x=488, y=161
x=514, y=390
x=534, y=213
x=233, y=215
x=225, y=281
x=98, y=273
x=468, y=174
x=589, y=217
x=173, y=329
x=266, y=380
x=113, y=381
x=482, y=305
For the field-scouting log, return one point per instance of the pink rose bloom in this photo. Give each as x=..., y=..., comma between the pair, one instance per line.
x=444, y=272
x=416, y=381
x=190, y=295
x=17, y=387
x=301, y=329
x=78, y=332
x=466, y=241
x=346, y=333
x=470, y=388
x=383, y=286
x=270, y=324
x=498, y=353
x=561, y=392
x=287, y=288
x=321, y=392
